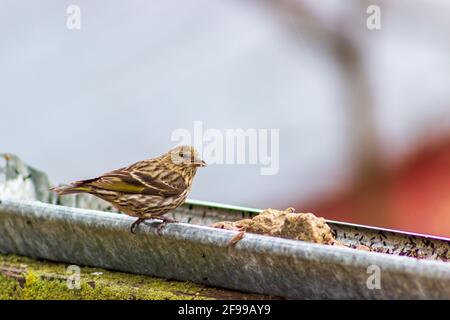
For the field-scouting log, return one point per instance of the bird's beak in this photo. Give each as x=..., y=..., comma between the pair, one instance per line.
x=200, y=163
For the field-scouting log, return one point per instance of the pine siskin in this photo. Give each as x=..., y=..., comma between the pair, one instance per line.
x=146, y=189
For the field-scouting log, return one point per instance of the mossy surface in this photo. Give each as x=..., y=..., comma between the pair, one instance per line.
x=25, y=278
x=9, y=288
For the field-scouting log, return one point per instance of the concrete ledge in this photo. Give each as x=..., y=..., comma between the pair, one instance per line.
x=258, y=264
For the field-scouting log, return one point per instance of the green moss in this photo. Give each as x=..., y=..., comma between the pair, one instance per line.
x=33, y=279
x=9, y=288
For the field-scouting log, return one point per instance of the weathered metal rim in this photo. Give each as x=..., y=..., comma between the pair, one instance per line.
x=260, y=264
x=218, y=205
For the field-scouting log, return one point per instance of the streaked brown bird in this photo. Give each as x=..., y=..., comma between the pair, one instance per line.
x=146, y=189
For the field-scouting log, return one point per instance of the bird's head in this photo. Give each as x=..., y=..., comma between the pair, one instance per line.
x=186, y=156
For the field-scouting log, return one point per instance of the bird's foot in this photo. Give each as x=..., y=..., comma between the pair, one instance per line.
x=135, y=224
x=236, y=239
x=165, y=221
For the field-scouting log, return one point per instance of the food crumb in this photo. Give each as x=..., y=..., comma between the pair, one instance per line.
x=285, y=224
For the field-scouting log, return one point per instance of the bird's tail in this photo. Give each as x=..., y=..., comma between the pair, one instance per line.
x=74, y=188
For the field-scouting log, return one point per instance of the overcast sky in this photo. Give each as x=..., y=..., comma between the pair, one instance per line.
x=77, y=103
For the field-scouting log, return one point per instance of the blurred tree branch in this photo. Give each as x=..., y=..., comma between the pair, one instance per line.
x=346, y=48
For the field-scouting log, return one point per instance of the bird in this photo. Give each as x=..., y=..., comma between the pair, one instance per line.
x=147, y=189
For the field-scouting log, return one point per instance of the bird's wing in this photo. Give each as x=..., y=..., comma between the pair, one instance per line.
x=135, y=179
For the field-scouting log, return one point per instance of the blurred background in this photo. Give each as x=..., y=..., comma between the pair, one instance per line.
x=364, y=115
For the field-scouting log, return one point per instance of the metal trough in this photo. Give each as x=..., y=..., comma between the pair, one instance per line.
x=260, y=264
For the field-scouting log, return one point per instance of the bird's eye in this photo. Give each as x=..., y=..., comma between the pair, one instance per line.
x=185, y=155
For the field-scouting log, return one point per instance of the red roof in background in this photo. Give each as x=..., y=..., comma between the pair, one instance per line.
x=414, y=196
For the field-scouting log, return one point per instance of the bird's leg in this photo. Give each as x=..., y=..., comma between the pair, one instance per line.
x=165, y=220
x=136, y=224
